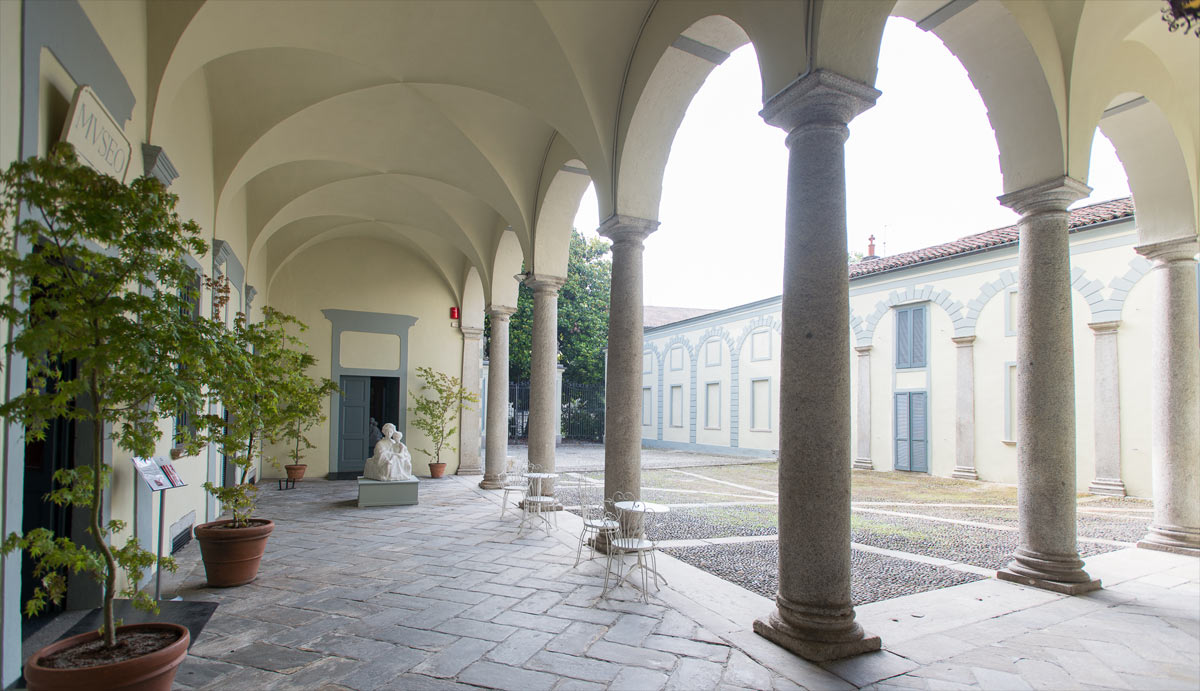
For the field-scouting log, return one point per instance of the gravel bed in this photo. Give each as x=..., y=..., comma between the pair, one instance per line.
x=715, y=521
x=1121, y=527
x=874, y=577
x=983, y=547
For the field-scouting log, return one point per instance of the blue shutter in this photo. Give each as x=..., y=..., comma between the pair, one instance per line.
x=903, y=338
x=918, y=337
x=903, y=460
x=918, y=421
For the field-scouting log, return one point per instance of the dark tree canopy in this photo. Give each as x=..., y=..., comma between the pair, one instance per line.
x=582, y=316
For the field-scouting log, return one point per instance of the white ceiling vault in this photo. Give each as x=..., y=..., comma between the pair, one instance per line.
x=450, y=127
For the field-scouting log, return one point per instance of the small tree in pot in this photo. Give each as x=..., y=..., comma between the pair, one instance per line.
x=255, y=386
x=301, y=397
x=99, y=303
x=435, y=414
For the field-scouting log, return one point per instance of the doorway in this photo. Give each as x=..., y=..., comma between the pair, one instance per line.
x=364, y=399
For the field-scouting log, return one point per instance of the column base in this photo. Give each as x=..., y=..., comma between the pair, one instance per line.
x=853, y=641
x=963, y=472
x=1060, y=574
x=1112, y=487
x=1174, y=539
x=489, y=482
x=863, y=464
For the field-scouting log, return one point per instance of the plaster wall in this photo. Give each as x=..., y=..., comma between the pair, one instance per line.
x=1103, y=261
x=750, y=370
x=369, y=276
x=719, y=374
x=681, y=432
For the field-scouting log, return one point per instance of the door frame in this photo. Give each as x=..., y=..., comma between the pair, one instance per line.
x=366, y=322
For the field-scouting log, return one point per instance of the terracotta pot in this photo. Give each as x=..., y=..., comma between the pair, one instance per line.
x=146, y=673
x=231, y=555
x=295, y=471
x=437, y=469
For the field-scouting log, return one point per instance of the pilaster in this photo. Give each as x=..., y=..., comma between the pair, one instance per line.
x=964, y=409
x=862, y=455
x=469, y=462
x=1107, y=411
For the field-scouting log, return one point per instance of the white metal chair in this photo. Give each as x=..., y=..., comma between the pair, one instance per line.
x=514, y=483
x=631, y=538
x=595, y=523
x=536, y=502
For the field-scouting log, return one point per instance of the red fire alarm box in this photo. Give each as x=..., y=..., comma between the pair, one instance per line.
x=454, y=313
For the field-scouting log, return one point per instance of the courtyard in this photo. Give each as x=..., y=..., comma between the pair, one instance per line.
x=447, y=594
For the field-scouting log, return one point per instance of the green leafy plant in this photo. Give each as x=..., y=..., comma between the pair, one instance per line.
x=436, y=413
x=99, y=305
x=265, y=393
x=301, y=398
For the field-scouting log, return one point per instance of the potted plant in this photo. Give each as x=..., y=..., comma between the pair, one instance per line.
x=99, y=293
x=255, y=387
x=300, y=404
x=436, y=413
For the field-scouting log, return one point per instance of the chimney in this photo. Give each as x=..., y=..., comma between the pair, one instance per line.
x=870, y=248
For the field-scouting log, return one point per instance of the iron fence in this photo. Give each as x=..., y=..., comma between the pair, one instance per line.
x=583, y=413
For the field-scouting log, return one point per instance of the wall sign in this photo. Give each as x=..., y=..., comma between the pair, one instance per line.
x=98, y=140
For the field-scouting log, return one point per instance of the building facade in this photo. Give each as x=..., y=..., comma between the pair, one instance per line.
x=933, y=362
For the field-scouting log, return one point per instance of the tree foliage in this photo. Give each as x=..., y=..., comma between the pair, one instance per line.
x=582, y=316
x=434, y=414
x=100, y=309
x=266, y=394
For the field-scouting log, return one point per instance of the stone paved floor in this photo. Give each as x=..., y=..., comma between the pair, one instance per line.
x=446, y=595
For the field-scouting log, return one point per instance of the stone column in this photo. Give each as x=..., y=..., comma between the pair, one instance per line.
x=862, y=459
x=964, y=409
x=623, y=395
x=470, y=427
x=1047, y=555
x=1175, y=398
x=496, y=458
x=1107, y=413
x=814, y=616
x=543, y=370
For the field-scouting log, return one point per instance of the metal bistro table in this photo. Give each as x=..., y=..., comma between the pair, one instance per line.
x=645, y=508
x=536, y=503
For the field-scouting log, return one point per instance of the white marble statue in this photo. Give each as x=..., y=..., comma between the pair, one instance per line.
x=391, y=462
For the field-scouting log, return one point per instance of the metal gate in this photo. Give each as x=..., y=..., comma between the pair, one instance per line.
x=518, y=410
x=583, y=413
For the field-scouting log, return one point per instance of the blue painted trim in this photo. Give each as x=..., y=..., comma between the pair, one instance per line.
x=63, y=28
x=368, y=322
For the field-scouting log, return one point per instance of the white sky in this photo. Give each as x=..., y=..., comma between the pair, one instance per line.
x=922, y=168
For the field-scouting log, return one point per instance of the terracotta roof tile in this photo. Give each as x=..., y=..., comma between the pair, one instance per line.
x=1083, y=216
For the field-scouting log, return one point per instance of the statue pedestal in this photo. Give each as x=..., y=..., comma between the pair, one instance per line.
x=377, y=493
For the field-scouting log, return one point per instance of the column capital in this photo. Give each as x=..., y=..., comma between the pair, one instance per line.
x=820, y=98
x=1168, y=251
x=545, y=283
x=627, y=229
x=471, y=332
x=501, y=311
x=1109, y=327
x=1053, y=195
x=863, y=349
x=963, y=341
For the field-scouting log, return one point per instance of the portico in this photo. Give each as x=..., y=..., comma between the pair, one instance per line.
x=391, y=161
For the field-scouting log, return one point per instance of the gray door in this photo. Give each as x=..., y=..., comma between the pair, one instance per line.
x=353, y=443
x=912, y=451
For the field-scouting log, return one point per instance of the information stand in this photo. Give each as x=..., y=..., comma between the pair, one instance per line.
x=160, y=475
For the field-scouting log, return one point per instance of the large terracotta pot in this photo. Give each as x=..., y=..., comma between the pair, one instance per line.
x=153, y=672
x=231, y=555
x=295, y=471
x=437, y=469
